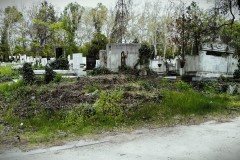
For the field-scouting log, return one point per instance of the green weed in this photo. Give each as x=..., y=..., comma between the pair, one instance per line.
x=182, y=86
x=7, y=70
x=9, y=86
x=57, y=78
x=108, y=103
x=92, y=87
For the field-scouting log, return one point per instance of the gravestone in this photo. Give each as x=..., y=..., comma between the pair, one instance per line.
x=77, y=58
x=23, y=59
x=51, y=60
x=44, y=61
x=232, y=89
x=97, y=64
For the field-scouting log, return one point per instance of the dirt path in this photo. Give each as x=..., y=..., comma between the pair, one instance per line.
x=208, y=141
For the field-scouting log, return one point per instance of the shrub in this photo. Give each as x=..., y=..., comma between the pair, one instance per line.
x=57, y=78
x=108, y=103
x=182, y=86
x=28, y=74
x=210, y=87
x=60, y=63
x=145, y=53
x=49, y=74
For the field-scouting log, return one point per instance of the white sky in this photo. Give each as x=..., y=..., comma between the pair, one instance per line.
x=60, y=4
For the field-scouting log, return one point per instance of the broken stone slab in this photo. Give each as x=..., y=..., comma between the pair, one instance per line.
x=171, y=77
x=63, y=72
x=17, y=67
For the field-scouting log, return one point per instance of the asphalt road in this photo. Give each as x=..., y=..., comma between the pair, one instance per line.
x=208, y=141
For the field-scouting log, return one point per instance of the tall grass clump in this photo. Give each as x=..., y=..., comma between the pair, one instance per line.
x=108, y=103
x=7, y=70
x=191, y=102
x=10, y=86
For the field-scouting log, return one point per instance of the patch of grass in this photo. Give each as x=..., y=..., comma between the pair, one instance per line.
x=9, y=86
x=182, y=86
x=145, y=112
x=57, y=78
x=142, y=102
x=7, y=74
x=7, y=70
x=191, y=102
x=92, y=87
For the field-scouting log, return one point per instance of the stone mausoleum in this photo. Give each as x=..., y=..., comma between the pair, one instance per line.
x=117, y=55
x=214, y=60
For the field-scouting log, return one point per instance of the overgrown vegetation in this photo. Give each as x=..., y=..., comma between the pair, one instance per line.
x=51, y=112
x=145, y=53
x=100, y=71
x=28, y=74
x=49, y=74
x=7, y=74
x=60, y=64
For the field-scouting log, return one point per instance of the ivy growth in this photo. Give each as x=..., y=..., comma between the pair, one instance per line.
x=145, y=54
x=60, y=63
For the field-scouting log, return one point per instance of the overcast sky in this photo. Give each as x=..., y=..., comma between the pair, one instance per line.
x=60, y=4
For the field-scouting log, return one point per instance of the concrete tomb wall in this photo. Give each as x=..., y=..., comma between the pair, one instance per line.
x=117, y=53
x=211, y=65
x=103, y=58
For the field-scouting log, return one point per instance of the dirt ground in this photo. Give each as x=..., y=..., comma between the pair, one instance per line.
x=208, y=141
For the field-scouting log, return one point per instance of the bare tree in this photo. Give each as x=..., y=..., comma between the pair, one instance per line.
x=121, y=20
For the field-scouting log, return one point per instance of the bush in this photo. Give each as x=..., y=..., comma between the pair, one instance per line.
x=28, y=74
x=108, y=103
x=57, y=78
x=49, y=74
x=60, y=63
x=182, y=86
x=145, y=53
